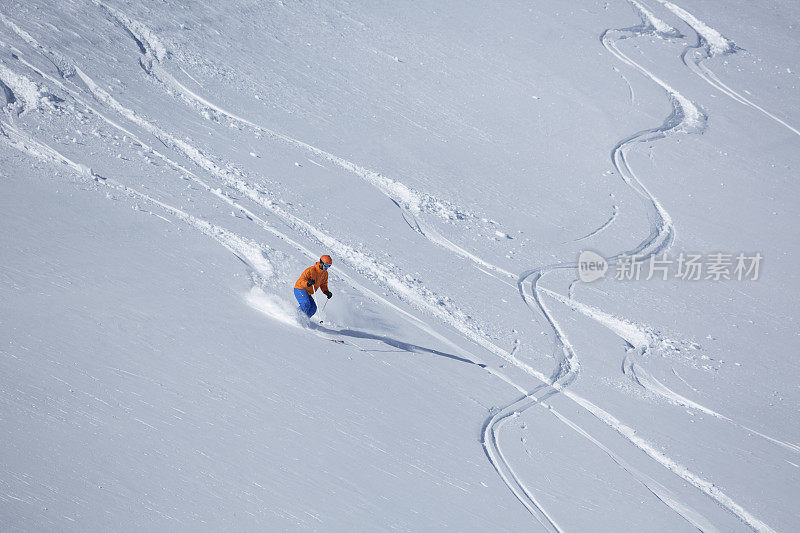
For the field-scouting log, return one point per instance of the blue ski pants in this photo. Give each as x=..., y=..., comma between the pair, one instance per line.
x=307, y=303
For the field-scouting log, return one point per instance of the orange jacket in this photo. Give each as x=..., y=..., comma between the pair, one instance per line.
x=315, y=273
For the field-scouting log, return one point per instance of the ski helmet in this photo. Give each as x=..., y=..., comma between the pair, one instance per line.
x=326, y=259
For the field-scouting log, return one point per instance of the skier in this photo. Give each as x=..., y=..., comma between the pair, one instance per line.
x=313, y=278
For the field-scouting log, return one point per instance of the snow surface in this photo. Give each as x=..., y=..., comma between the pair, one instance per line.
x=169, y=168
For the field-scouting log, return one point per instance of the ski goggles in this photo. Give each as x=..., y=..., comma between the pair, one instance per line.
x=324, y=266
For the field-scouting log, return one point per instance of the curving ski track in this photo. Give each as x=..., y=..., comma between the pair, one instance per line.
x=711, y=43
x=685, y=118
x=603, y=227
x=491, y=446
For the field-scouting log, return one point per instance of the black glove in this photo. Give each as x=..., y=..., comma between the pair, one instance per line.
x=309, y=283
x=329, y=294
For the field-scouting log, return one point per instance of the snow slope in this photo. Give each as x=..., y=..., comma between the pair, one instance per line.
x=169, y=168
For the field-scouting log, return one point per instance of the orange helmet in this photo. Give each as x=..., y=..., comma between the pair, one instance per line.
x=326, y=260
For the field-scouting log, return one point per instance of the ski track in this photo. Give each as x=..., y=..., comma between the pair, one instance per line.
x=604, y=226
x=249, y=252
x=650, y=21
x=657, y=489
x=494, y=453
x=154, y=52
x=641, y=338
x=661, y=236
x=685, y=118
x=711, y=43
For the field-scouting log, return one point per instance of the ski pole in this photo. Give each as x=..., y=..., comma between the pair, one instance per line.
x=323, y=309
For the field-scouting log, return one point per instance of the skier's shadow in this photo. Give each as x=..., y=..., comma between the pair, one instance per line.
x=404, y=346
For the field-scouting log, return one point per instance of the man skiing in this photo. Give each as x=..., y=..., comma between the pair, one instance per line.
x=313, y=278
